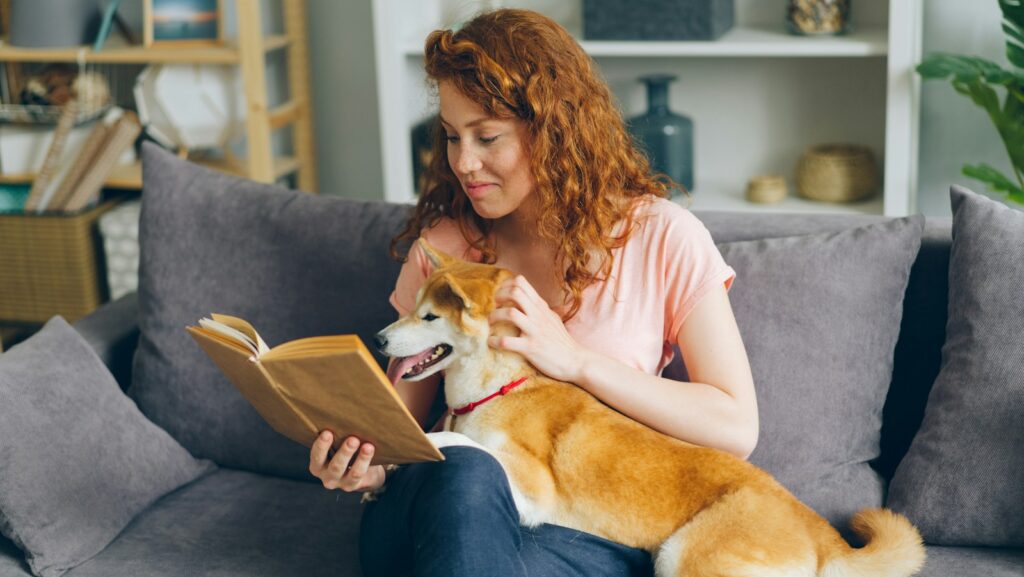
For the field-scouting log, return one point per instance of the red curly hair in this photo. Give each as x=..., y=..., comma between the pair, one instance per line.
x=520, y=64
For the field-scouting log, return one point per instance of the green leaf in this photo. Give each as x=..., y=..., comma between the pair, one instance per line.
x=995, y=180
x=1013, y=26
x=942, y=65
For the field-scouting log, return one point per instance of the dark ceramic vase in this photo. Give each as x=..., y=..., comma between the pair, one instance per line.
x=666, y=137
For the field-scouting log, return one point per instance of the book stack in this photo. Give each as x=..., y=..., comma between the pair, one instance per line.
x=71, y=186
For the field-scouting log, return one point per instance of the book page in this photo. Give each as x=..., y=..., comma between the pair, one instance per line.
x=236, y=329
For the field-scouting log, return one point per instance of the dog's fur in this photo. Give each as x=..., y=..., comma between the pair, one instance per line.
x=575, y=462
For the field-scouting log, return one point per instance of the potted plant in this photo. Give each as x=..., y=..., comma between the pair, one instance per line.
x=978, y=79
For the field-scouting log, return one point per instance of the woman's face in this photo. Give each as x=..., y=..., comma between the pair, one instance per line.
x=488, y=155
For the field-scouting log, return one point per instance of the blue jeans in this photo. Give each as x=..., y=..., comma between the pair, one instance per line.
x=457, y=518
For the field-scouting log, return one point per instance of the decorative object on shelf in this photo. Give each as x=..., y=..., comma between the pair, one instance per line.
x=48, y=90
x=53, y=23
x=422, y=149
x=837, y=173
x=666, y=137
x=767, y=189
x=181, y=22
x=657, y=19
x=977, y=78
x=818, y=17
x=191, y=106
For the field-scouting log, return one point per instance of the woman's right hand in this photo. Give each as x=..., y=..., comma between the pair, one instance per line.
x=336, y=472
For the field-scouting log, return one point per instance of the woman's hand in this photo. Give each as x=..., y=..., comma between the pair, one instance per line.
x=336, y=473
x=543, y=341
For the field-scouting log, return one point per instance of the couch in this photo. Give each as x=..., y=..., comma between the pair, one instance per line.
x=297, y=264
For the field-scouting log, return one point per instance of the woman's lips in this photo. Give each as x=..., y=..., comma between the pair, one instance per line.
x=477, y=190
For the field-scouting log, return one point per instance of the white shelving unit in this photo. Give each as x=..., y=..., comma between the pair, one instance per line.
x=758, y=96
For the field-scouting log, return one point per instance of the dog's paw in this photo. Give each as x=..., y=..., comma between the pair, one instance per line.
x=452, y=439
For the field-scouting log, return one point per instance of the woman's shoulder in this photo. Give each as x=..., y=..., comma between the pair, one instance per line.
x=658, y=216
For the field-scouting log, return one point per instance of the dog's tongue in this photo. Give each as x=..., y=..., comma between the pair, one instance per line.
x=403, y=364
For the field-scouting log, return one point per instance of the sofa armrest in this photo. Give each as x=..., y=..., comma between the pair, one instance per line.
x=113, y=331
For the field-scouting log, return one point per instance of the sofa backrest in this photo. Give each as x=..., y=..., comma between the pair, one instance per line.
x=923, y=328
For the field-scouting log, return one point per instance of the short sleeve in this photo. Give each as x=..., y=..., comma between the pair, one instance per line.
x=410, y=279
x=693, y=266
x=444, y=236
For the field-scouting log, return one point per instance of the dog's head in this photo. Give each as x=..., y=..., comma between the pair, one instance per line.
x=449, y=320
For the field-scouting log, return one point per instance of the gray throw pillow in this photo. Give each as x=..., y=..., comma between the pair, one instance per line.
x=820, y=315
x=962, y=481
x=293, y=264
x=79, y=460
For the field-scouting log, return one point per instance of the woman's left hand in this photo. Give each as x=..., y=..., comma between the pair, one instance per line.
x=543, y=341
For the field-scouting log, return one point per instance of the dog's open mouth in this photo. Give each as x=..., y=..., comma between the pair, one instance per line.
x=415, y=365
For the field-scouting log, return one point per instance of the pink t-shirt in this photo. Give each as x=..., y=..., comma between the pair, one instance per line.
x=657, y=278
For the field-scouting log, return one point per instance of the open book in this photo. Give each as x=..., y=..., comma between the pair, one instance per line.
x=307, y=385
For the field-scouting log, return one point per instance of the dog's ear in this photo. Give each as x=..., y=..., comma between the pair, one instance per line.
x=437, y=258
x=452, y=290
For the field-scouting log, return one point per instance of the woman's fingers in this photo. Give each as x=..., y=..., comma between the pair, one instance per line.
x=509, y=314
x=339, y=463
x=520, y=292
x=355, y=478
x=318, y=453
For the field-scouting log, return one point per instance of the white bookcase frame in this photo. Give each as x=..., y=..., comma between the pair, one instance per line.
x=758, y=96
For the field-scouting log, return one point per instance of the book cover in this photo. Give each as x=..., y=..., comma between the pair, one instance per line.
x=307, y=385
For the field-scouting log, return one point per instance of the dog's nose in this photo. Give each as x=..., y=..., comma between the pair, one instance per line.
x=381, y=341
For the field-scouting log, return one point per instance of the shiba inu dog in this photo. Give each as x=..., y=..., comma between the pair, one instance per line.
x=575, y=462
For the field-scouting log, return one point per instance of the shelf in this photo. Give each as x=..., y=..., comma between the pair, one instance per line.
x=742, y=41
x=117, y=52
x=129, y=176
x=728, y=198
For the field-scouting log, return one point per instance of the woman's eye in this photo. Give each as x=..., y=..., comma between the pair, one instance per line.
x=488, y=139
x=450, y=138
x=429, y=317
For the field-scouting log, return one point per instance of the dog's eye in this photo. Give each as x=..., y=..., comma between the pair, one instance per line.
x=429, y=317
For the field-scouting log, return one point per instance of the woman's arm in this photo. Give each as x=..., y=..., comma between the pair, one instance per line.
x=718, y=408
x=419, y=396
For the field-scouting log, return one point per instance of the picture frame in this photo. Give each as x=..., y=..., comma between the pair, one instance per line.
x=182, y=23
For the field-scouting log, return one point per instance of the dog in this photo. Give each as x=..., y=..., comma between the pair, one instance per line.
x=573, y=461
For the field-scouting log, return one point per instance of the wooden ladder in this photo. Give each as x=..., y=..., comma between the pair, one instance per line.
x=262, y=121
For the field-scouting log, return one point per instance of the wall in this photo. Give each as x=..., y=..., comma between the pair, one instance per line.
x=345, y=98
x=955, y=131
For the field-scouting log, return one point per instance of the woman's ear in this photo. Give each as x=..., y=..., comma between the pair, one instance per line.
x=437, y=258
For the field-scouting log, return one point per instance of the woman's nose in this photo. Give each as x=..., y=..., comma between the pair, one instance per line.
x=467, y=161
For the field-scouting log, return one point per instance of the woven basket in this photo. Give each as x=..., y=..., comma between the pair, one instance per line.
x=767, y=189
x=51, y=264
x=837, y=173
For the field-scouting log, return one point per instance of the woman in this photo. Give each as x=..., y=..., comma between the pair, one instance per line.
x=535, y=172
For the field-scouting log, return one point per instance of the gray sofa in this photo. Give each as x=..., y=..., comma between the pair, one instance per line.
x=298, y=265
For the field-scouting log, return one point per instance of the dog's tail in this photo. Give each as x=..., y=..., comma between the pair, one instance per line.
x=893, y=548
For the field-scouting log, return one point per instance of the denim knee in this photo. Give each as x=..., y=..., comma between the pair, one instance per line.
x=468, y=478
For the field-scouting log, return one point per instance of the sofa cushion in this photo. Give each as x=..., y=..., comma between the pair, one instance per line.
x=238, y=523
x=962, y=480
x=972, y=562
x=294, y=264
x=820, y=315
x=79, y=460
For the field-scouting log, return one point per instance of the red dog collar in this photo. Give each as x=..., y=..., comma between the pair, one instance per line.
x=502, y=391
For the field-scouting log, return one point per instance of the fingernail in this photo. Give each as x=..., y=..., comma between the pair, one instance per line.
x=325, y=436
x=352, y=443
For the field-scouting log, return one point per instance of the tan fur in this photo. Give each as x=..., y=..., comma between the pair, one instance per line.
x=578, y=463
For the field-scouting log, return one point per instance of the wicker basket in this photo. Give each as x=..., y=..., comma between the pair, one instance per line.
x=837, y=173
x=51, y=264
